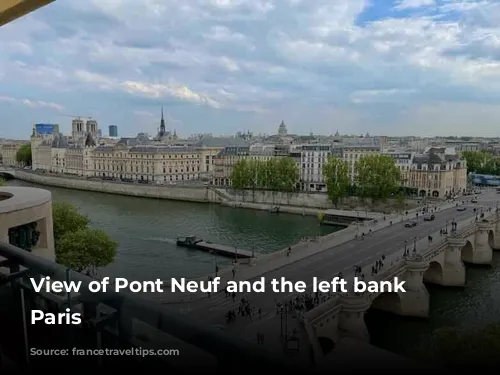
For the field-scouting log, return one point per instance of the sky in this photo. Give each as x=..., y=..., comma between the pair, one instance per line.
x=387, y=67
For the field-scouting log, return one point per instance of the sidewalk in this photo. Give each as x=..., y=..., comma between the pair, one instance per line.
x=279, y=259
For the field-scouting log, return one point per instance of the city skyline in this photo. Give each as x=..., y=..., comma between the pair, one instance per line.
x=422, y=67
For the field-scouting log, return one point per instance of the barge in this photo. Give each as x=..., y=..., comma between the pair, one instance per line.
x=191, y=242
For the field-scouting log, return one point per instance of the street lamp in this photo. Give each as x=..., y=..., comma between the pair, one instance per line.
x=414, y=244
x=446, y=227
x=406, y=244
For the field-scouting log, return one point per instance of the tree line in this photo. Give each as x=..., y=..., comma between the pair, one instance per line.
x=376, y=177
x=276, y=174
x=482, y=162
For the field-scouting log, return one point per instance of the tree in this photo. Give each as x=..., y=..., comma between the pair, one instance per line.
x=336, y=174
x=482, y=162
x=77, y=246
x=240, y=176
x=67, y=219
x=287, y=172
x=276, y=174
x=23, y=155
x=458, y=348
x=377, y=177
x=2, y=181
x=86, y=249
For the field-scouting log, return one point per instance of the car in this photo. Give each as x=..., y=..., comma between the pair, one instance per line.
x=429, y=217
x=461, y=209
x=474, y=200
x=411, y=224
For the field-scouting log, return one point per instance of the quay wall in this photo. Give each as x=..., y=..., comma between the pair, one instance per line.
x=302, y=203
x=293, y=203
x=184, y=193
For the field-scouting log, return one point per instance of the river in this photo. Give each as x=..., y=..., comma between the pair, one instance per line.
x=471, y=307
x=146, y=230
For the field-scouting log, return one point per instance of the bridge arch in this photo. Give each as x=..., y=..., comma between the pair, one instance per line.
x=389, y=302
x=467, y=252
x=6, y=175
x=434, y=273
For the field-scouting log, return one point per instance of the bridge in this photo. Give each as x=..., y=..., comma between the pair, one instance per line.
x=7, y=172
x=441, y=261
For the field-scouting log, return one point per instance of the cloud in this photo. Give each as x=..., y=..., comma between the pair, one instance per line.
x=227, y=65
x=408, y=4
x=32, y=103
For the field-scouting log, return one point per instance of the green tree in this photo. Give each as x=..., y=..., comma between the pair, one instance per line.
x=67, y=219
x=86, y=250
x=77, y=246
x=240, y=176
x=377, y=177
x=336, y=174
x=287, y=172
x=481, y=162
x=2, y=181
x=23, y=155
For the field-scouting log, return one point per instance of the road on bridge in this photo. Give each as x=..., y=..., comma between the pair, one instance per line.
x=341, y=258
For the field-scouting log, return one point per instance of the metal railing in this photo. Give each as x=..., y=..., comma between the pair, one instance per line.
x=228, y=350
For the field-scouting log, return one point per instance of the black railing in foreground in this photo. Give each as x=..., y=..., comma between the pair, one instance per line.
x=228, y=350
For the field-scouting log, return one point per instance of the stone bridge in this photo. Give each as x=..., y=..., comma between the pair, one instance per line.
x=443, y=264
x=7, y=172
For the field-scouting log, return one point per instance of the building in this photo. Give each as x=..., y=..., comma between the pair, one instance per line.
x=312, y=159
x=162, y=159
x=113, y=131
x=225, y=161
x=9, y=151
x=353, y=153
x=438, y=172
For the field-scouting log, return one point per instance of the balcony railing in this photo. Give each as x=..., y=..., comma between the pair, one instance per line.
x=122, y=310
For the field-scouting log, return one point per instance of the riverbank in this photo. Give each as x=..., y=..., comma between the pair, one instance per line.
x=306, y=204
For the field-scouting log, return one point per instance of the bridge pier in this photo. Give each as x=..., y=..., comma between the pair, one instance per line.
x=481, y=253
x=352, y=316
x=454, y=269
x=415, y=301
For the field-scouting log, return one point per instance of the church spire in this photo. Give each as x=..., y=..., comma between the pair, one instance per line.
x=162, y=123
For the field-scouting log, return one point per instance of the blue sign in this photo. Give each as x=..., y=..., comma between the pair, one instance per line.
x=44, y=128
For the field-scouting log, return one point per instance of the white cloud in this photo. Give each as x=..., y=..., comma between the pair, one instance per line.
x=32, y=103
x=408, y=4
x=266, y=57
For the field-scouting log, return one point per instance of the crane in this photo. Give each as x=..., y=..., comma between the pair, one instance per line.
x=78, y=117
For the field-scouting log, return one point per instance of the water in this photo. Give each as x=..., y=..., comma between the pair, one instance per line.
x=474, y=306
x=146, y=230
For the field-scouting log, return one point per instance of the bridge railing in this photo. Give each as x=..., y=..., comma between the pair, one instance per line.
x=228, y=350
x=397, y=265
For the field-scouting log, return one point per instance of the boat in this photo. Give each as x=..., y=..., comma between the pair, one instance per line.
x=188, y=241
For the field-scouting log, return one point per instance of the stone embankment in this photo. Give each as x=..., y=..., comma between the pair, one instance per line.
x=294, y=203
